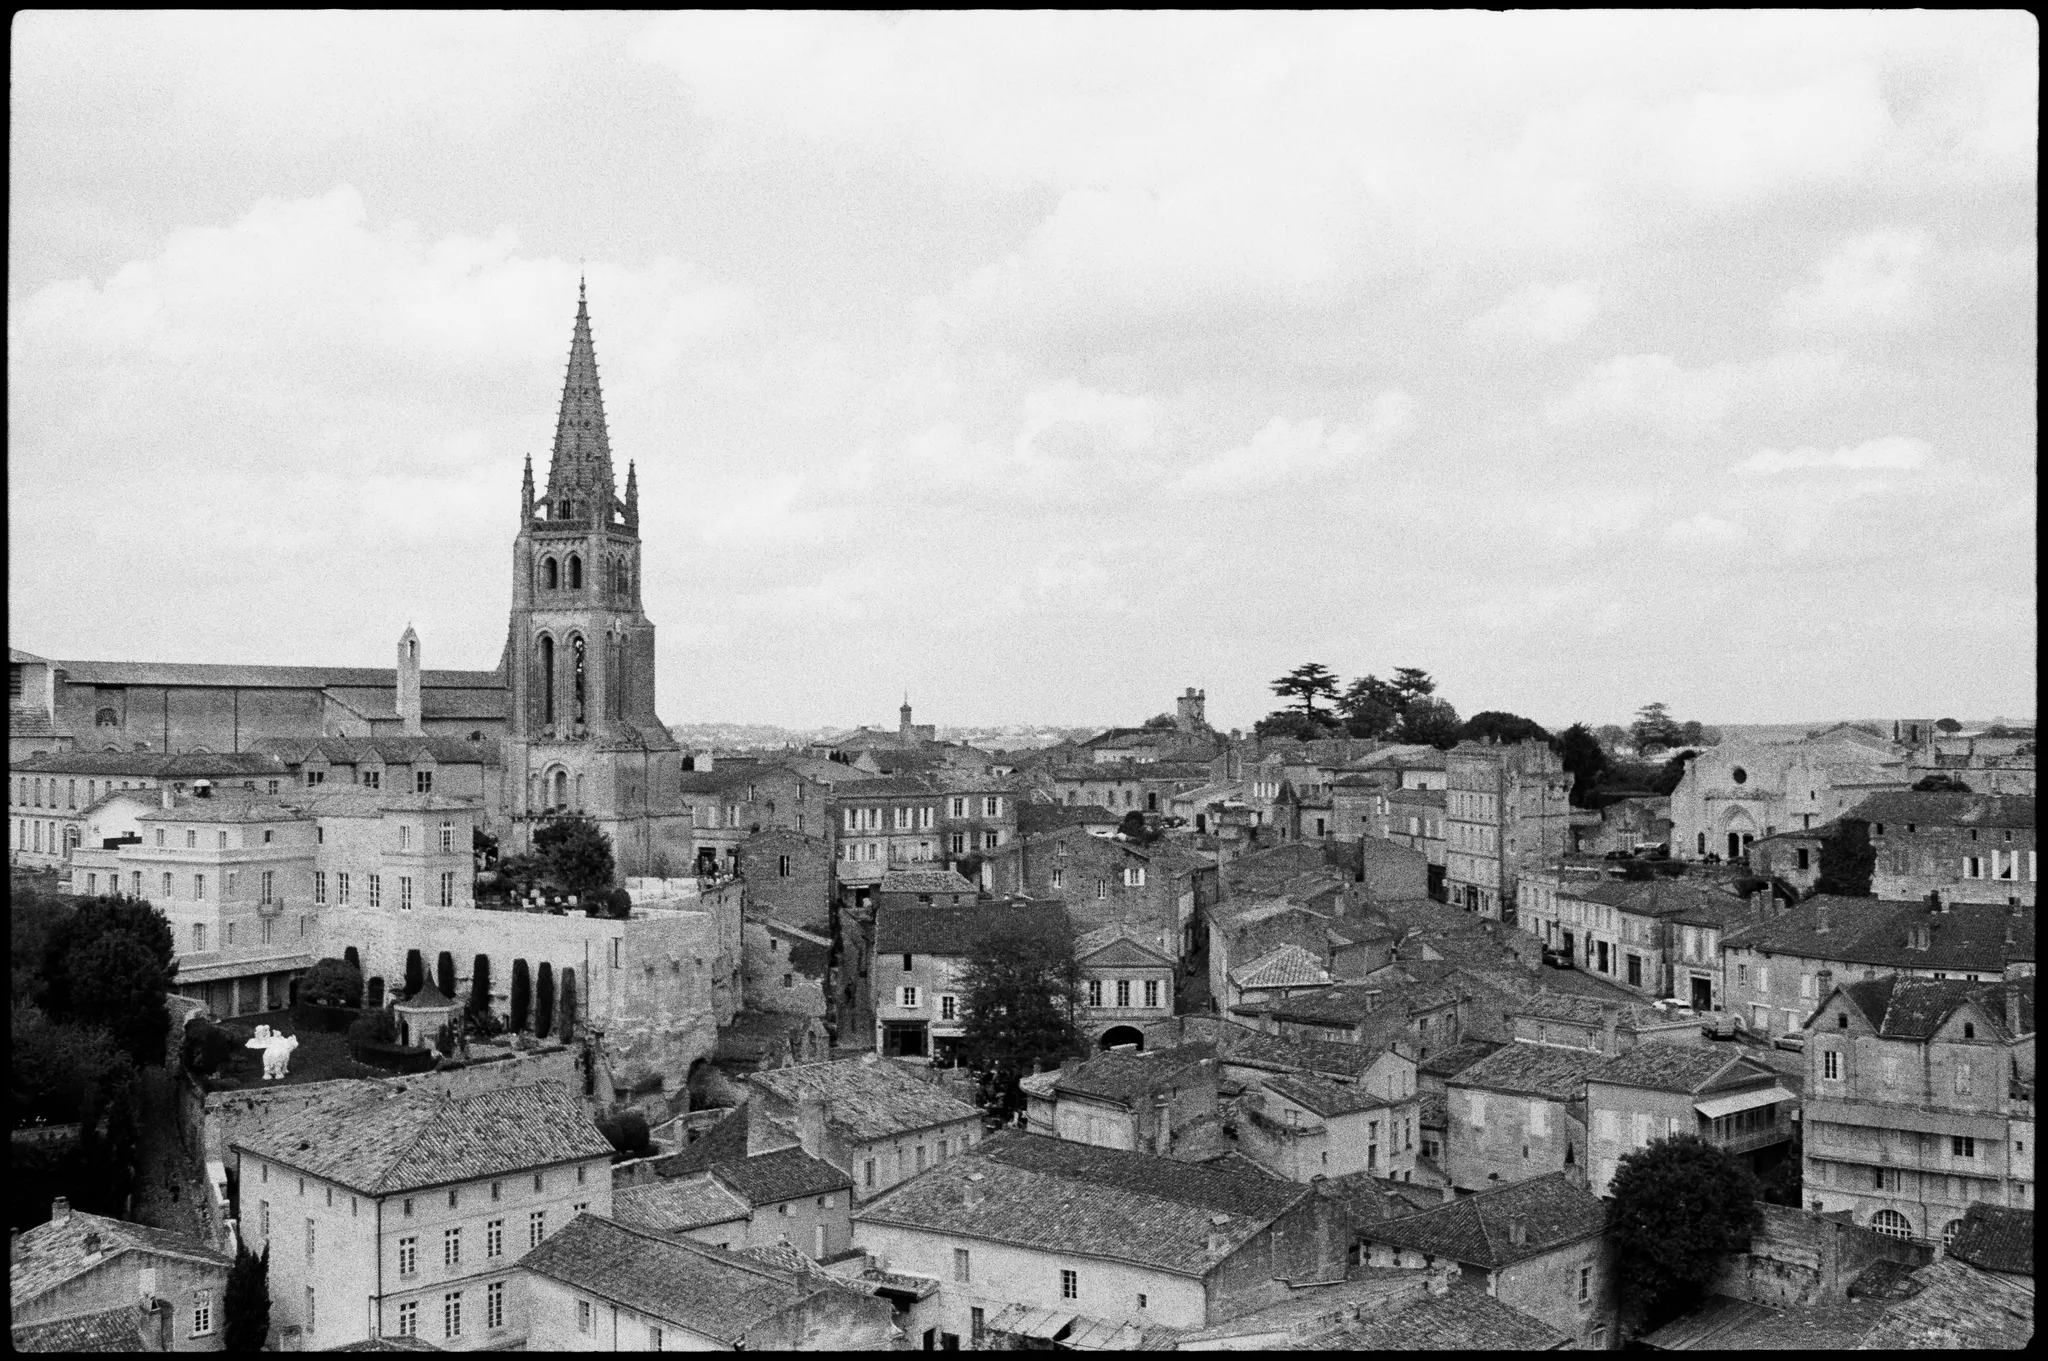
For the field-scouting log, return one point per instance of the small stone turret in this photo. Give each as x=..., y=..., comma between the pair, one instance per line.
x=408, y=699
x=1190, y=716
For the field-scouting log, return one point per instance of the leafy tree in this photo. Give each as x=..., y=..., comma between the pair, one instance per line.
x=207, y=1047
x=1677, y=1206
x=1306, y=727
x=628, y=1132
x=619, y=904
x=1430, y=721
x=1501, y=727
x=1017, y=1005
x=59, y=1070
x=576, y=852
x=333, y=983
x=1655, y=729
x=1948, y=725
x=1847, y=860
x=565, y=1008
x=1671, y=773
x=483, y=846
x=544, y=1002
x=1613, y=737
x=1583, y=757
x=1306, y=684
x=1161, y=721
x=415, y=974
x=245, y=1307
x=1371, y=707
x=1135, y=828
x=478, y=1012
x=522, y=995
x=32, y=919
x=1412, y=683
x=118, y=982
x=444, y=975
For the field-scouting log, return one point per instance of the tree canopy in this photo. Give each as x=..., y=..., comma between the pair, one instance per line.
x=1847, y=860
x=1430, y=721
x=1655, y=729
x=333, y=983
x=1948, y=725
x=1678, y=1205
x=577, y=853
x=109, y=962
x=1939, y=783
x=1306, y=727
x=1306, y=684
x=1494, y=725
x=1582, y=756
x=1158, y=721
x=1017, y=997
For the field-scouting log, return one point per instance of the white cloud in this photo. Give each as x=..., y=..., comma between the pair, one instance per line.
x=1285, y=448
x=1647, y=391
x=1894, y=452
x=1704, y=530
x=1870, y=280
x=1546, y=314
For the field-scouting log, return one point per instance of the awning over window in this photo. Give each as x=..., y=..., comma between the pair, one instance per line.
x=1021, y=1320
x=1719, y=1106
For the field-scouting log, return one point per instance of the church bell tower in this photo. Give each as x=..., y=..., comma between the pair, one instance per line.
x=582, y=734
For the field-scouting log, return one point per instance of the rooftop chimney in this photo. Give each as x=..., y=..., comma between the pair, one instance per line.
x=1821, y=925
x=60, y=1210
x=170, y=799
x=1934, y=902
x=407, y=676
x=1610, y=1020
x=1440, y=1278
x=1217, y=1223
x=971, y=1189
x=810, y=1124
x=2012, y=1005
x=92, y=1245
x=1518, y=1230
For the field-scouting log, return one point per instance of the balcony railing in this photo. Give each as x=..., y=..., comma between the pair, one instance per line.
x=1751, y=1140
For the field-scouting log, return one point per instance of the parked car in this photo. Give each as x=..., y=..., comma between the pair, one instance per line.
x=1794, y=1042
x=1721, y=1025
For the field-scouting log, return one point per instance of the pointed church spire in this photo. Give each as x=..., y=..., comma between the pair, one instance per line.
x=580, y=472
x=632, y=496
x=526, y=491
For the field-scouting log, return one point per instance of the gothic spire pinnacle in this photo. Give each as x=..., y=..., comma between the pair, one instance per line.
x=526, y=490
x=580, y=471
x=632, y=496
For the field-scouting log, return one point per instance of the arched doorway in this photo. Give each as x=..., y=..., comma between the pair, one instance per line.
x=1118, y=1035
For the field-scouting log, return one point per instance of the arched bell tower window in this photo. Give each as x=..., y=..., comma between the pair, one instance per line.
x=547, y=676
x=548, y=573
x=106, y=718
x=579, y=684
x=575, y=572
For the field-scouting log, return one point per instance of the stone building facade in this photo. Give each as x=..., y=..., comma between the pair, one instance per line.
x=1505, y=812
x=1976, y=848
x=1738, y=792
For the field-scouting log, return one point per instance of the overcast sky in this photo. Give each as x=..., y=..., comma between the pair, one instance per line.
x=1044, y=365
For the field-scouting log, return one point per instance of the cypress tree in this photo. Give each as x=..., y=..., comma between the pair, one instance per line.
x=522, y=994
x=565, y=1025
x=355, y=961
x=444, y=975
x=377, y=991
x=480, y=993
x=544, y=1001
x=415, y=974
x=246, y=1307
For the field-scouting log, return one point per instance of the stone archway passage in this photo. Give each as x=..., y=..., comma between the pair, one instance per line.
x=1123, y=1034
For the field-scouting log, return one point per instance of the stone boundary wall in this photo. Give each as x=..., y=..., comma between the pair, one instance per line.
x=1800, y=1258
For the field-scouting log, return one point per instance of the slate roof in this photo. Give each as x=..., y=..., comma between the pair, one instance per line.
x=1927, y=810
x=1966, y=938
x=109, y=1330
x=718, y=1294
x=1125, y=1078
x=52, y=1253
x=867, y=1100
x=1284, y=966
x=1476, y=1231
x=1046, y=817
x=677, y=1205
x=787, y=1174
x=1688, y=1068
x=886, y=787
x=1118, y=946
x=1657, y=897
x=1915, y=1008
x=399, y=1140
x=1534, y=1069
x=1363, y=1198
x=927, y=881
x=1996, y=1239
x=1465, y=1318
x=1252, y=1048
x=1057, y=1196
x=920, y=929
x=1325, y=1098
x=25, y=722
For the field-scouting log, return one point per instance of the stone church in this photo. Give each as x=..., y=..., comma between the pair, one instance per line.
x=566, y=721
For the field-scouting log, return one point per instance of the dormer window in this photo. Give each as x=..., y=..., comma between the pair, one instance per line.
x=1969, y=1031
x=1841, y=1020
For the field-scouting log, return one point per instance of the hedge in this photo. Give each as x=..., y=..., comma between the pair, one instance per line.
x=328, y=1020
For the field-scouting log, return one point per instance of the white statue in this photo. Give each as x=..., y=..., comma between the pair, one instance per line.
x=277, y=1054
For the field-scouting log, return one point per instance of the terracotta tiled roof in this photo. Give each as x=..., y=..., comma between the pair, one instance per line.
x=1285, y=966
x=1957, y=1307
x=1361, y=1004
x=1463, y=1319
x=1323, y=1097
x=1534, y=1069
x=1966, y=938
x=1252, y=1048
x=1915, y=1008
x=1656, y=897
x=1996, y=1239
x=1928, y=810
x=926, y=881
x=1478, y=1230
x=1058, y=1196
x=724, y=1142
x=787, y=1174
x=406, y=1140
x=1590, y=1011
x=109, y=1330
x=1446, y=1063
x=678, y=1205
x=255, y=677
x=718, y=1294
x=1688, y=1068
x=867, y=1100
x=54, y=1252
x=1128, y=1077
x=935, y=930
x=221, y=810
